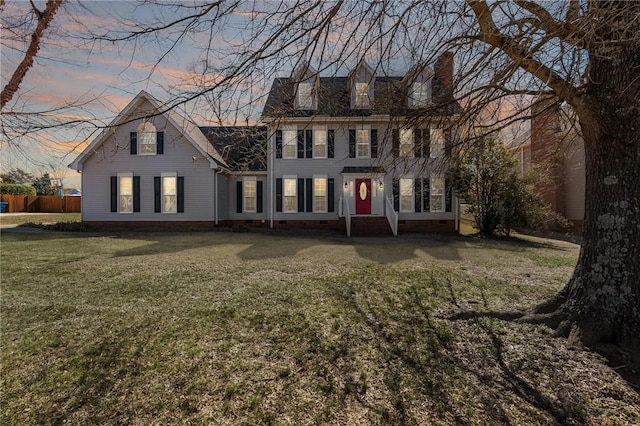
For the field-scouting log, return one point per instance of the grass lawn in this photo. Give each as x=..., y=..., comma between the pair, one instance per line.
x=249, y=328
x=20, y=218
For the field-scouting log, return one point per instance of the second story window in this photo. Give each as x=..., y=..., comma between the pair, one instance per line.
x=305, y=96
x=362, y=95
x=362, y=143
x=319, y=142
x=147, y=139
x=289, y=143
x=406, y=143
x=420, y=94
x=437, y=143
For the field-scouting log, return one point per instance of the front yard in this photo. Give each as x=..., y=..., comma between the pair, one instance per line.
x=252, y=328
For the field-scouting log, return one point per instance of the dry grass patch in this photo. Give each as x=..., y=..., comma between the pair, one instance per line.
x=227, y=328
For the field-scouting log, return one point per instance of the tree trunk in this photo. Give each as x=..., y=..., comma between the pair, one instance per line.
x=603, y=296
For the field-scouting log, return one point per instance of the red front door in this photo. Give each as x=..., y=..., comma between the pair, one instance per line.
x=363, y=196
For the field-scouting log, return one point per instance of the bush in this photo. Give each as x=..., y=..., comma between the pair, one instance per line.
x=59, y=226
x=16, y=189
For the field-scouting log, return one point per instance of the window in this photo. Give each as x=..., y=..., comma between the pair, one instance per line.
x=437, y=143
x=437, y=194
x=147, y=138
x=169, y=193
x=420, y=94
x=249, y=192
x=406, y=143
x=362, y=95
x=319, y=194
x=125, y=192
x=406, y=195
x=305, y=96
x=289, y=142
x=362, y=143
x=290, y=190
x=319, y=141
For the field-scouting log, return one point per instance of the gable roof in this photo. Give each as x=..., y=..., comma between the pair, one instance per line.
x=243, y=148
x=334, y=99
x=191, y=132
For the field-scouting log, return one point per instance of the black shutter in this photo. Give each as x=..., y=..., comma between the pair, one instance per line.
x=426, y=195
x=259, y=196
x=426, y=143
x=239, y=196
x=114, y=194
x=374, y=143
x=278, y=143
x=448, y=194
x=300, y=143
x=156, y=194
x=331, y=195
x=447, y=142
x=352, y=143
x=136, y=193
x=417, y=195
x=309, y=194
x=180, y=194
x=331, y=143
x=279, y=194
x=396, y=195
x=308, y=143
x=417, y=143
x=395, y=147
x=160, y=143
x=133, y=143
x=300, y=194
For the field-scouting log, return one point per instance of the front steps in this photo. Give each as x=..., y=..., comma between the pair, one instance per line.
x=370, y=226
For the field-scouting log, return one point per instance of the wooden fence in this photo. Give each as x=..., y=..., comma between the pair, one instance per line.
x=41, y=203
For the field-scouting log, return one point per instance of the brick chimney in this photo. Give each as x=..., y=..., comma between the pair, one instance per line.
x=443, y=69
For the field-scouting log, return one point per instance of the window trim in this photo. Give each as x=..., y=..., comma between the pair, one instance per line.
x=365, y=130
x=294, y=142
x=140, y=143
x=294, y=178
x=325, y=196
x=323, y=130
x=125, y=175
x=411, y=196
x=173, y=175
x=245, y=181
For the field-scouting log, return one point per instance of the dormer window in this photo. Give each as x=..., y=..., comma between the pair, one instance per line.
x=147, y=138
x=304, y=98
x=420, y=95
x=362, y=95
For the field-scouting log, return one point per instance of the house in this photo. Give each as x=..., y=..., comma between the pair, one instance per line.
x=363, y=153
x=554, y=144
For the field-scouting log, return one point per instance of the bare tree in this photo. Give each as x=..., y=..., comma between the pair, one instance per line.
x=587, y=53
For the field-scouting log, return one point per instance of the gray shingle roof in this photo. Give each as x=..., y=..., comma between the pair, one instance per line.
x=243, y=148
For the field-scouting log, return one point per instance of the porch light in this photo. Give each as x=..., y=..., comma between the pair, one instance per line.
x=381, y=184
x=346, y=185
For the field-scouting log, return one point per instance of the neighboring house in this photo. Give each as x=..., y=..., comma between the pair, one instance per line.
x=362, y=153
x=554, y=146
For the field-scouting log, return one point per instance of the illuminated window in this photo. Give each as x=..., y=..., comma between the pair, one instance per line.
x=305, y=96
x=406, y=143
x=125, y=192
x=437, y=143
x=289, y=143
x=406, y=195
x=363, y=143
x=169, y=193
x=362, y=95
x=290, y=197
x=249, y=191
x=147, y=139
x=319, y=141
x=436, y=203
x=320, y=194
x=420, y=94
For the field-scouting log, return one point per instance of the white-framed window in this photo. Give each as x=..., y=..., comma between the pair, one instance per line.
x=420, y=94
x=363, y=143
x=319, y=141
x=406, y=195
x=169, y=192
x=362, y=95
x=406, y=143
x=290, y=194
x=147, y=139
x=249, y=194
x=125, y=193
x=290, y=142
x=305, y=96
x=319, y=194
x=436, y=187
x=437, y=142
